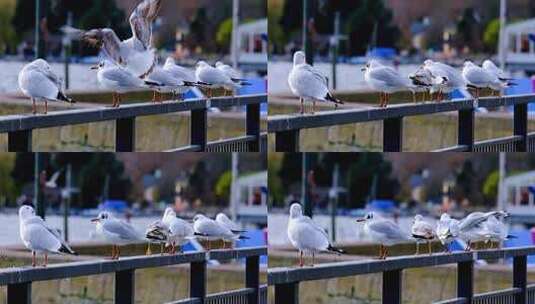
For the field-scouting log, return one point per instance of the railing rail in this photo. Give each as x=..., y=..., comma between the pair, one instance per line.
x=19, y=279
x=19, y=127
x=287, y=127
x=286, y=280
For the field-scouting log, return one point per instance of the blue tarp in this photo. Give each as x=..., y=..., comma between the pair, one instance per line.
x=383, y=53
x=115, y=206
x=382, y=205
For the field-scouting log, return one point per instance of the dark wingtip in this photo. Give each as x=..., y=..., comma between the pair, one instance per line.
x=62, y=97
x=337, y=250
x=331, y=98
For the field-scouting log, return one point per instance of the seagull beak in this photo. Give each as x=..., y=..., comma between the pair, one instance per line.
x=363, y=69
x=95, y=67
x=360, y=220
x=95, y=220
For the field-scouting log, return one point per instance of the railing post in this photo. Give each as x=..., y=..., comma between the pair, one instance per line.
x=199, y=128
x=197, y=280
x=125, y=287
x=465, y=127
x=19, y=141
x=520, y=278
x=393, y=134
x=287, y=141
x=253, y=126
x=520, y=126
x=392, y=287
x=125, y=134
x=252, y=277
x=287, y=293
x=465, y=280
x=19, y=293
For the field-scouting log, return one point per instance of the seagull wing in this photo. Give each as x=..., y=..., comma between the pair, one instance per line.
x=314, y=226
x=121, y=78
x=141, y=20
x=388, y=76
x=388, y=229
x=121, y=229
x=107, y=40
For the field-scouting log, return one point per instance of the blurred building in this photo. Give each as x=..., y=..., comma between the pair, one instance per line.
x=250, y=200
x=520, y=45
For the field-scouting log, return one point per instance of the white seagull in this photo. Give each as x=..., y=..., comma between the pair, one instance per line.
x=135, y=54
x=211, y=230
x=447, y=78
x=306, y=236
x=496, y=230
x=422, y=230
x=447, y=230
x=230, y=72
x=181, y=73
x=471, y=227
x=39, y=82
x=421, y=81
x=117, y=80
x=385, y=80
x=38, y=237
x=223, y=220
x=180, y=231
x=213, y=78
x=116, y=231
x=158, y=232
x=383, y=231
x=479, y=78
x=504, y=81
x=308, y=83
x=166, y=82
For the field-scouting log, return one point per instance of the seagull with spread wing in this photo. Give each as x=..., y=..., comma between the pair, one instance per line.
x=136, y=54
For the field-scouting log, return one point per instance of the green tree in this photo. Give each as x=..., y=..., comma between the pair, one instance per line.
x=490, y=187
x=7, y=32
x=224, y=34
x=492, y=35
x=222, y=186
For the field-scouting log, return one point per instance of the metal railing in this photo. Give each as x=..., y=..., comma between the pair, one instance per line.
x=19, y=127
x=19, y=280
x=286, y=280
x=287, y=127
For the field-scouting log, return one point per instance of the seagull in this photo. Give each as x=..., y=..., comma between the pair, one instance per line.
x=157, y=232
x=422, y=230
x=384, y=231
x=52, y=183
x=308, y=83
x=385, y=80
x=496, y=229
x=471, y=227
x=136, y=54
x=166, y=82
x=116, y=231
x=230, y=72
x=447, y=230
x=180, y=231
x=223, y=220
x=118, y=80
x=479, y=78
x=421, y=81
x=211, y=230
x=498, y=73
x=213, y=78
x=39, y=82
x=449, y=77
x=38, y=237
x=307, y=236
x=181, y=73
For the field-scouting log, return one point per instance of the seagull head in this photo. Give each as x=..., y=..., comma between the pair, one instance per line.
x=170, y=61
x=299, y=58
x=221, y=217
x=428, y=62
x=296, y=210
x=369, y=216
x=418, y=218
x=169, y=212
x=199, y=217
x=99, y=66
x=26, y=211
x=218, y=64
x=445, y=217
x=468, y=63
x=488, y=64
x=102, y=216
x=202, y=64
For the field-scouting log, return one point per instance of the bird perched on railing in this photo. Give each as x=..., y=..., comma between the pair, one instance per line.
x=38, y=237
x=447, y=78
x=447, y=230
x=496, y=230
x=135, y=54
x=307, y=236
x=184, y=74
x=422, y=230
x=224, y=221
x=40, y=83
x=385, y=80
x=478, y=78
x=158, y=232
x=383, y=231
x=210, y=230
x=504, y=81
x=233, y=74
x=421, y=81
x=118, y=80
x=116, y=231
x=471, y=228
x=213, y=78
x=308, y=83
x=180, y=231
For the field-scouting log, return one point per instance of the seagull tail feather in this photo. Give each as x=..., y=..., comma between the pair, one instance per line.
x=62, y=97
x=66, y=249
x=510, y=236
x=334, y=249
x=243, y=237
x=330, y=97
